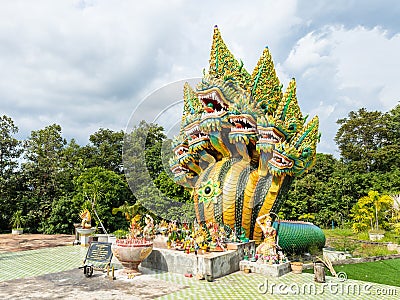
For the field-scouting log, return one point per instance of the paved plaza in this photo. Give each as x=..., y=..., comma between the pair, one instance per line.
x=52, y=273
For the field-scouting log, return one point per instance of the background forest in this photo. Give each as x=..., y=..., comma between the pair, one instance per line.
x=49, y=180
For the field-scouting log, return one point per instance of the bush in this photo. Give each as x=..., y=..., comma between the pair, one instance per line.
x=366, y=250
x=345, y=244
x=121, y=233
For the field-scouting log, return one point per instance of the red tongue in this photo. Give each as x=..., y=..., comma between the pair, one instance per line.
x=238, y=125
x=209, y=109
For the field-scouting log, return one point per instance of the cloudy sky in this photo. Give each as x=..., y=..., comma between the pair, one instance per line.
x=89, y=64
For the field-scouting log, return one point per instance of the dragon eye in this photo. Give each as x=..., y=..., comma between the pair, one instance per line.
x=292, y=127
x=306, y=153
x=207, y=190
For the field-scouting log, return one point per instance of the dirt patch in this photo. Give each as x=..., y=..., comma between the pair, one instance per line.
x=22, y=242
x=74, y=285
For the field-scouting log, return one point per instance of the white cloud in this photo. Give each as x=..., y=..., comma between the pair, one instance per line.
x=346, y=69
x=87, y=64
x=368, y=59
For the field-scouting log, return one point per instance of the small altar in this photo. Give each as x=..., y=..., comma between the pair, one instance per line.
x=275, y=270
x=209, y=265
x=85, y=234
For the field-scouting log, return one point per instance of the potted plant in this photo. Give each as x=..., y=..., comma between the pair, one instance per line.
x=17, y=221
x=297, y=263
x=132, y=250
x=297, y=267
x=376, y=234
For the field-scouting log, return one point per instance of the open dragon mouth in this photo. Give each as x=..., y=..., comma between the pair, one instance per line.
x=178, y=170
x=270, y=135
x=180, y=151
x=280, y=161
x=242, y=124
x=195, y=134
x=213, y=102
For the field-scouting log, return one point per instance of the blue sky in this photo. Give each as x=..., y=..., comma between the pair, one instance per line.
x=88, y=64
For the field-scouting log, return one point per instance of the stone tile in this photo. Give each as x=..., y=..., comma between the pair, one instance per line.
x=237, y=285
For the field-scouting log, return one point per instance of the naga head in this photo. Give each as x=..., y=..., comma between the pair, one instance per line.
x=296, y=156
x=283, y=124
x=216, y=98
x=193, y=109
x=180, y=143
x=223, y=85
x=182, y=175
x=178, y=164
x=243, y=116
x=181, y=150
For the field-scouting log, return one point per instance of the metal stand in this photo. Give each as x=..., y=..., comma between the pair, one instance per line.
x=87, y=270
x=77, y=235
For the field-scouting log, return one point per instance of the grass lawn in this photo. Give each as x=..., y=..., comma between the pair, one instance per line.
x=384, y=271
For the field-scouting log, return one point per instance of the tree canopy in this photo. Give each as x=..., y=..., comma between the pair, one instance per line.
x=49, y=179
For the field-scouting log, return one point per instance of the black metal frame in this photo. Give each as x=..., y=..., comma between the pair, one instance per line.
x=88, y=266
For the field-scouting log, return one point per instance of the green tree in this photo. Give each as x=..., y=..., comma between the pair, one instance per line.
x=154, y=141
x=102, y=190
x=10, y=152
x=148, y=176
x=369, y=141
x=64, y=213
x=72, y=164
x=104, y=150
x=41, y=170
x=388, y=156
x=359, y=137
x=169, y=188
x=10, y=149
x=370, y=211
x=317, y=193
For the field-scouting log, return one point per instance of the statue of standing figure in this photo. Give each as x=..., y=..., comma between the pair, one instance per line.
x=148, y=230
x=268, y=246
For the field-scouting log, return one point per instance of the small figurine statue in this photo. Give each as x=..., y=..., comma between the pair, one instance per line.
x=86, y=219
x=246, y=254
x=219, y=245
x=148, y=230
x=162, y=228
x=234, y=237
x=135, y=230
x=252, y=255
x=242, y=235
x=268, y=246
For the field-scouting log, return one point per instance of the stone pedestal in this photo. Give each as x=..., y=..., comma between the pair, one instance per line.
x=85, y=234
x=210, y=265
x=275, y=270
x=102, y=238
x=335, y=255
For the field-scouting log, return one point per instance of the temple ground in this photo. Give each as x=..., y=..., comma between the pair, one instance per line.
x=52, y=273
x=21, y=242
